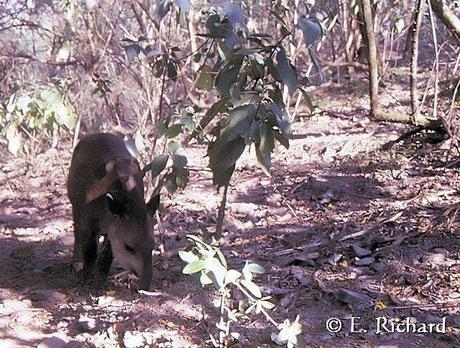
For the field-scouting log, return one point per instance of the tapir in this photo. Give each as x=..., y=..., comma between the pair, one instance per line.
x=106, y=190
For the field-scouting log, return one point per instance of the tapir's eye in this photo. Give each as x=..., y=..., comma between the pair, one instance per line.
x=130, y=249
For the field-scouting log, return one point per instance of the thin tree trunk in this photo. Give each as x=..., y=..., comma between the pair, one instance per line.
x=372, y=57
x=415, y=103
x=347, y=34
x=436, y=62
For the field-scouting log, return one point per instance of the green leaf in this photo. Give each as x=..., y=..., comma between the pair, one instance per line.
x=11, y=105
x=282, y=139
x=179, y=161
x=131, y=147
x=195, y=239
x=223, y=157
x=276, y=95
x=232, y=276
x=277, y=16
x=236, y=335
x=254, y=268
x=256, y=70
x=170, y=182
x=157, y=165
x=286, y=71
x=188, y=256
x=139, y=141
x=211, y=113
x=205, y=279
x=221, y=257
x=267, y=304
x=239, y=125
x=265, y=148
x=216, y=29
x=24, y=103
x=218, y=271
x=173, y=147
x=187, y=122
x=235, y=91
x=285, y=31
x=65, y=116
x=272, y=70
x=51, y=97
x=182, y=177
x=55, y=106
x=317, y=65
x=311, y=30
x=173, y=131
x=247, y=274
x=258, y=307
x=205, y=79
x=307, y=98
x=250, y=308
x=252, y=287
x=254, y=132
x=281, y=119
x=172, y=70
x=158, y=67
x=132, y=51
x=194, y=267
x=229, y=74
x=289, y=332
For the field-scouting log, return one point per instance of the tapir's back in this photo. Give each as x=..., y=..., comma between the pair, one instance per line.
x=101, y=146
x=89, y=158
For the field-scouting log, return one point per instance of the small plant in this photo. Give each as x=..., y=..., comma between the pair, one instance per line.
x=34, y=114
x=208, y=262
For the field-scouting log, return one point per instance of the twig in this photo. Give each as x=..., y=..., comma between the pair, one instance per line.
x=221, y=211
x=262, y=310
x=428, y=305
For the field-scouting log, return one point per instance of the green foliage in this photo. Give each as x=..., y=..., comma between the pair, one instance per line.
x=311, y=29
x=29, y=113
x=208, y=263
x=247, y=70
x=176, y=175
x=286, y=71
x=205, y=81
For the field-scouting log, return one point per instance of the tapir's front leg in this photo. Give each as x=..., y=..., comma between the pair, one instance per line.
x=86, y=246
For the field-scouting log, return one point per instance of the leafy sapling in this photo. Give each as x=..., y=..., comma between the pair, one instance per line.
x=208, y=262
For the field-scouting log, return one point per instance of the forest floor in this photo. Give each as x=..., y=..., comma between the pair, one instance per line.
x=344, y=230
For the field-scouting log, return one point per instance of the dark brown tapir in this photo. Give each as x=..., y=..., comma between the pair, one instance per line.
x=106, y=190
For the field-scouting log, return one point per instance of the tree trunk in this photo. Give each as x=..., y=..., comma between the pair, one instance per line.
x=447, y=16
x=415, y=103
x=372, y=57
x=376, y=112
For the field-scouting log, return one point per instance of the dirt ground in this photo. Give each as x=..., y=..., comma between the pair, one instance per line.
x=344, y=230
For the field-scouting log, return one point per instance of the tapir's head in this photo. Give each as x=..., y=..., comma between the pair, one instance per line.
x=128, y=220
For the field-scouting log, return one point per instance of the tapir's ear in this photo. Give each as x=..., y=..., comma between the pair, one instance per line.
x=115, y=206
x=154, y=203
